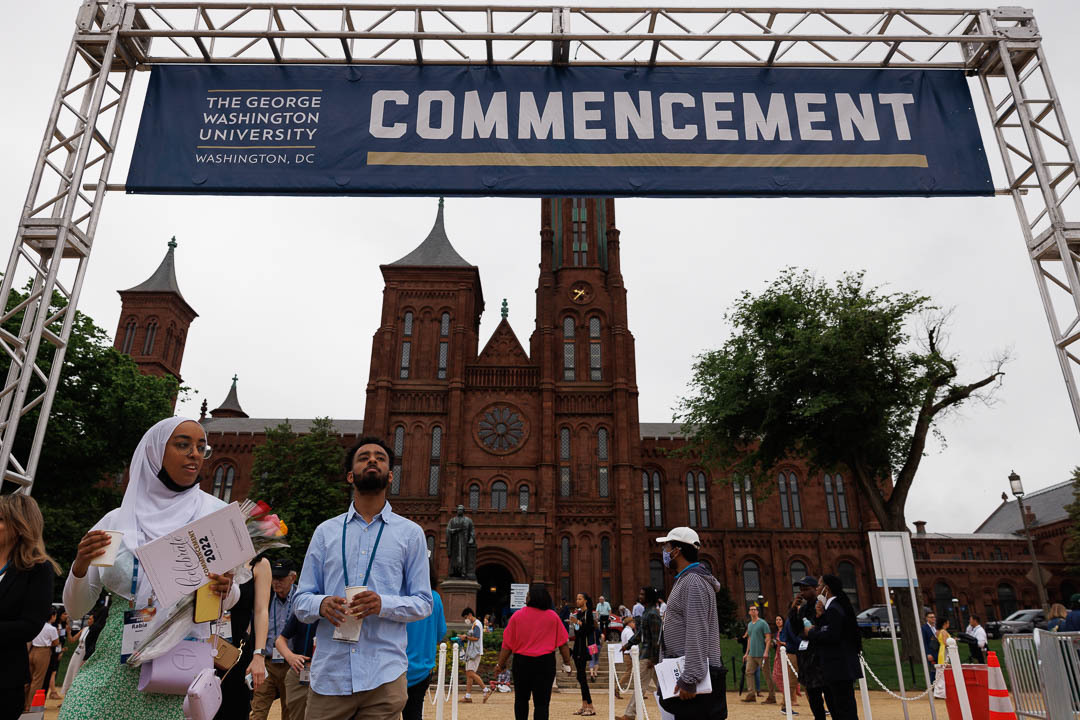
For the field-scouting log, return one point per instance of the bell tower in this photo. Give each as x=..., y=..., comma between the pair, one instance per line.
x=154, y=320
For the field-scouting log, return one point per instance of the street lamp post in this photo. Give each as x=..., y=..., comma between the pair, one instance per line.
x=1018, y=490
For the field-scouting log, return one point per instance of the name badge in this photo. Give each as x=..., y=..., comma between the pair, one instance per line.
x=305, y=674
x=276, y=656
x=804, y=645
x=136, y=627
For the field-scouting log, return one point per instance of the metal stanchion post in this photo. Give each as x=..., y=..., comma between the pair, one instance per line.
x=613, y=677
x=635, y=679
x=454, y=684
x=787, y=681
x=440, y=698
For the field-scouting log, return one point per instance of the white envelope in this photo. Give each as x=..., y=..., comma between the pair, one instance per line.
x=667, y=674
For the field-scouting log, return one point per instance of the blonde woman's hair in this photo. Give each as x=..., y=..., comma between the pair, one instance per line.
x=1057, y=610
x=22, y=516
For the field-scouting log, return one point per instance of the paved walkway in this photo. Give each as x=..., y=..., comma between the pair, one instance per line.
x=563, y=705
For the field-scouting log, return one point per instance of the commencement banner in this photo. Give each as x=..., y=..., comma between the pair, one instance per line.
x=522, y=130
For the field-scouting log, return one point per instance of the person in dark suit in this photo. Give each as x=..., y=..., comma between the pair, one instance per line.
x=801, y=618
x=26, y=587
x=837, y=645
x=930, y=643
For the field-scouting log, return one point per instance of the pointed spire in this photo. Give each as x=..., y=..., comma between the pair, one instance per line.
x=163, y=279
x=435, y=250
x=505, y=309
x=231, y=407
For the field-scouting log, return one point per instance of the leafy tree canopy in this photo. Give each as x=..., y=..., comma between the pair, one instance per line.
x=302, y=478
x=102, y=407
x=829, y=373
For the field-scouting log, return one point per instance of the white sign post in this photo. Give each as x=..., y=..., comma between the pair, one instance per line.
x=518, y=591
x=894, y=566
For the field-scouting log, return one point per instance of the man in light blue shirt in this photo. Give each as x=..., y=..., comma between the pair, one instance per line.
x=373, y=546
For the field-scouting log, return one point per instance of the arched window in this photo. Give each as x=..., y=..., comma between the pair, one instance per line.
x=751, y=581
x=650, y=490
x=697, y=499
x=564, y=462
x=656, y=574
x=744, y=503
x=846, y=572
x=1006, y=599
x=523, y=498
x=399, y=451
x=444, y=344
x=129, y=336
x=151, y=335
x=942, y=599
x=798, y=572
x=430, y=547
x=790, y=507
x=498, y=495
x=579, y=236
x=436, y=461
x=474, y=497
x=568, y=349
x=605, y=554
x=176, y=350
x=224, y=476
x=168, y=343
x=406, y=345
x=836, y=501
x=564, y=565
x=603, y=483
x=595, y=358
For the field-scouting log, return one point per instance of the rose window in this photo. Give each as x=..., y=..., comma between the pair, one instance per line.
x=501, y=429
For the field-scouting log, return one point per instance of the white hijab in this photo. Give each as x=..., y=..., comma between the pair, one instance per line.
x=149, y=509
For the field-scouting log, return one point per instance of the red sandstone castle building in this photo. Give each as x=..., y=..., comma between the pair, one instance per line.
x=545, y=449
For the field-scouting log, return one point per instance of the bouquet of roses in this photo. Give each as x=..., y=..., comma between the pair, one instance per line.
x=267, y=532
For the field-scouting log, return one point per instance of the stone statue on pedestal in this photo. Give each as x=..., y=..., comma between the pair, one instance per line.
x=461, y=545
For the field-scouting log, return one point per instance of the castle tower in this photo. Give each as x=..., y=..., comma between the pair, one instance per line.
x=154, y=320
x=432, y=301
x=588, y=386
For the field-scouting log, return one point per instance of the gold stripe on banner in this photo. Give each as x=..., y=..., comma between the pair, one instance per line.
x=732, y=160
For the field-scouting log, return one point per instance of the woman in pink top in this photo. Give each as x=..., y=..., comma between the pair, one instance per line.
x=533, y=635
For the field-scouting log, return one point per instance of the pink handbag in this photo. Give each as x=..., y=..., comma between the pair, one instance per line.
x=203, y=696
x=173, y=672
x=594, y=649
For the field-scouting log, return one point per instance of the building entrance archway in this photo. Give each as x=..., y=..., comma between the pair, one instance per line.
x=494, y=593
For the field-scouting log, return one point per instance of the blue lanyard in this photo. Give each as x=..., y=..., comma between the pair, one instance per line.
x=6, y=566
x=344, y=559
x=307, y=639
x=134, y=579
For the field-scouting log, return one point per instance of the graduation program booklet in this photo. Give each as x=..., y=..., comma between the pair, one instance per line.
x=178, y=563
x=667, y=674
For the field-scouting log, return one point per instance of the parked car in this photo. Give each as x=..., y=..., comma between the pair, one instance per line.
x=874, y=621
x=1021, y=621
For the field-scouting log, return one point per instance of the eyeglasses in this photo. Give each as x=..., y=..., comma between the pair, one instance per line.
x=186, y=446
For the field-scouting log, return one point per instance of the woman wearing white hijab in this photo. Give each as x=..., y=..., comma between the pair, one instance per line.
x=162, y=494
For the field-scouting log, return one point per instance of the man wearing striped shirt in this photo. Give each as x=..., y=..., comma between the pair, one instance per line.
x=691, y=629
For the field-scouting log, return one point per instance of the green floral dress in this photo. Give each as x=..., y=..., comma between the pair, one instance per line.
x=106, y=690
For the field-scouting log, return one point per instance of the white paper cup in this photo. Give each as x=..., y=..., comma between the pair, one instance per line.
x=116, y=537
x=349, y=629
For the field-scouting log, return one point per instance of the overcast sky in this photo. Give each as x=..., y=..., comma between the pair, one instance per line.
x=289, y=292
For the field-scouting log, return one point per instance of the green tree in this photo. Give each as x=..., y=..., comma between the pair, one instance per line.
x=302, y=478
x=102, y=407
x=832, y=375
x=727, y=614
x=1072, y=547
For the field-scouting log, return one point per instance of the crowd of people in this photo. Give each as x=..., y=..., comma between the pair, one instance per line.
x=370, y=567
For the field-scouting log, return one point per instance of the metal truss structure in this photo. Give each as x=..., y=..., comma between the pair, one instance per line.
x=114, y=38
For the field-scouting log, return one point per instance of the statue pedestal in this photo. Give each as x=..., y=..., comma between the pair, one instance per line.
x=457, y=594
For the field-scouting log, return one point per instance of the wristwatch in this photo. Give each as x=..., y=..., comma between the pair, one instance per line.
x=260, y=651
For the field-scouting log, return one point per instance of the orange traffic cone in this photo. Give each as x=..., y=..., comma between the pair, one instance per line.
x=1001, y=707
